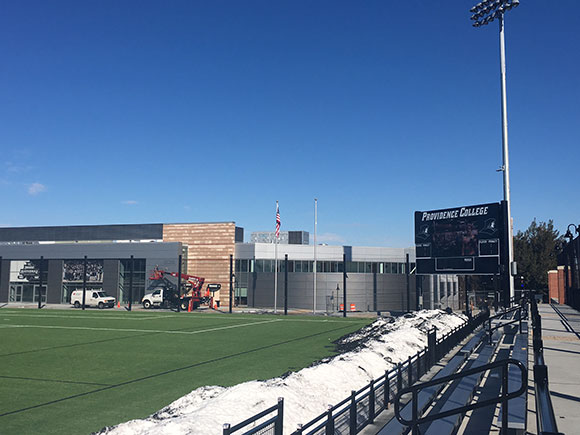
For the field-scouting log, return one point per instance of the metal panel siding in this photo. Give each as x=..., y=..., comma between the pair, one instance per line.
x=111, y=278
x=390, y=290
x=239, y=238
x=60, y=251
x=82, y=232
x=54, y=284
x=4, y=280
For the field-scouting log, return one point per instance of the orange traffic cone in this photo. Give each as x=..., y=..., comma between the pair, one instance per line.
x=118, y=304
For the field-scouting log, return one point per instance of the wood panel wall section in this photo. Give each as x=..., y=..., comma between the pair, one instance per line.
x=208, y=255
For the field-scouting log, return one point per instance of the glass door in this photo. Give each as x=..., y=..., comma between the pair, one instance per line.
x=42, y=290
x=15, y=293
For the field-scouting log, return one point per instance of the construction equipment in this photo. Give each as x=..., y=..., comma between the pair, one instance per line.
x=190, y=296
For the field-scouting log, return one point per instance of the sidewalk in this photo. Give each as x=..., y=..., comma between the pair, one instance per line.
x=560, y=335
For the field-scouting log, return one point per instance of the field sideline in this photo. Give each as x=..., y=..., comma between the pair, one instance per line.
x=74, y=372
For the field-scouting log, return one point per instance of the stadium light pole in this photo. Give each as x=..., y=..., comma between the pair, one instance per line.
x=484, y=13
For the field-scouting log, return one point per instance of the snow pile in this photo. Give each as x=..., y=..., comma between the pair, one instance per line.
x=365, y=355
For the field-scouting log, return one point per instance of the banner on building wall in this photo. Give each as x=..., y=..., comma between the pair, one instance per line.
x=72, y=270
x=25, y=271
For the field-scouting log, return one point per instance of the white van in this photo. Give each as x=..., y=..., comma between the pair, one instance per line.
x=93, y=298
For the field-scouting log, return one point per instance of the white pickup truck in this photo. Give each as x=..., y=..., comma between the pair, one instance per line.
x=93, y=298
x=155, y=299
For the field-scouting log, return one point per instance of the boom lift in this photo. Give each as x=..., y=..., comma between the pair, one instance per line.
x=166, y=293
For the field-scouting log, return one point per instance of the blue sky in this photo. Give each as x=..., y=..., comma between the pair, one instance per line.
x=202, y=111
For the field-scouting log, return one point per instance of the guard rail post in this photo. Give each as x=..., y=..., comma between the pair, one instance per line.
x=329, y=421
x=399, y=378
x=372, y=401
x=431, y=344
x=352, y=412
x=387, y=391
x=279, y=425
x=504, y=405
x=521, y=314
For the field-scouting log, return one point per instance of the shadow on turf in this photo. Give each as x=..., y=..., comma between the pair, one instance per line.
x=85, y=343
x=144, y=378
x=53, y=380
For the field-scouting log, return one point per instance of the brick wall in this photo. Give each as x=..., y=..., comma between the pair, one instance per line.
x=561, y=285
x=557, y=284
x=209, y=248
x=553, y=284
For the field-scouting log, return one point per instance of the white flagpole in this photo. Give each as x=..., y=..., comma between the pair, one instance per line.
x=276, y=264
x=315, y=223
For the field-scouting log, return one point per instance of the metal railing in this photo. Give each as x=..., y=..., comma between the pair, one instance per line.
x=358, y=410
x=545, y=417
x=520, y=311
x=273, y=425
x=504, y=397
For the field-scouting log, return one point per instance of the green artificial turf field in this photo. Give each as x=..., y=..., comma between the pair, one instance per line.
x=74, y=372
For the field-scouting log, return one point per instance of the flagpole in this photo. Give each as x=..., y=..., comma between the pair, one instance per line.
x=277, y=235
x=315, y=266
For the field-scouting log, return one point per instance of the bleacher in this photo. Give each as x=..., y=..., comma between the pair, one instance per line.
x=471, y=380
x=466, y=394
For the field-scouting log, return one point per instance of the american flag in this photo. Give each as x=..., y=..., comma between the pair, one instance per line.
x=277, y=221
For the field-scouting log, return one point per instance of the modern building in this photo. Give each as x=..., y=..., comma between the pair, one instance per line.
x=117, y=255
x=49, y=261
x=378, y=279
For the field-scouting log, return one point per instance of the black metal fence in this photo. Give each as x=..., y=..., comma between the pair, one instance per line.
x=259, y=424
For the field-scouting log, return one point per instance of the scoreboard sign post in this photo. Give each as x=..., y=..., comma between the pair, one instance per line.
x=463, y=240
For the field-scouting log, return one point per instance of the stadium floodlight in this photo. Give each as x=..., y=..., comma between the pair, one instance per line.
x=484, y=13
x=487, y=11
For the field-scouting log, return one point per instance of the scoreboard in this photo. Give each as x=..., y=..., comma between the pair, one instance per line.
x=461, y=240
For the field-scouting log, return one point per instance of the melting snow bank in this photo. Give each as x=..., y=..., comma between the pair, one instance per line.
x=365, y=355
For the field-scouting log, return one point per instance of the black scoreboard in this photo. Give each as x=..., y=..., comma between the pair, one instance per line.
x=461, y=240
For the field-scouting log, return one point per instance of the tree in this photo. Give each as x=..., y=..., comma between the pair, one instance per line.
x=535, y=253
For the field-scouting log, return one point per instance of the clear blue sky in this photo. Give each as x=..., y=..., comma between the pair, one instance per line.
x=197, y=111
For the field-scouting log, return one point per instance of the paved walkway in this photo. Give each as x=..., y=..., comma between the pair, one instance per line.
x=561, y=337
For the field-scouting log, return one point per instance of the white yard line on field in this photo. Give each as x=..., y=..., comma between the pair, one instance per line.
x=85, y=328
x=106, y=317
x=140, y=317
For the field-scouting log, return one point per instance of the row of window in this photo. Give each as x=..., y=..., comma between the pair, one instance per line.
x=264, y=266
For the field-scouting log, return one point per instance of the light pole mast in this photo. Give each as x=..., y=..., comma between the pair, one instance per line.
x=484, y=13
x=315, y=262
